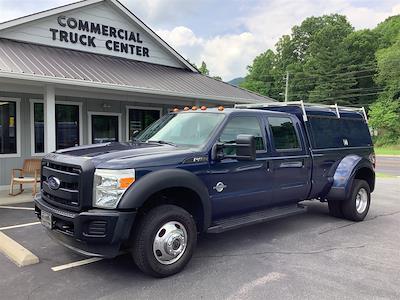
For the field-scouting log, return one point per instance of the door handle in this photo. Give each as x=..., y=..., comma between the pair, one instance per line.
x=291, y=164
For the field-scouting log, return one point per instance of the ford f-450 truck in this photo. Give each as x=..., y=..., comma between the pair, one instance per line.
x=205, y=170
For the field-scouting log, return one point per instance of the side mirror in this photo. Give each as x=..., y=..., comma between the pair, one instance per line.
x=245, y=149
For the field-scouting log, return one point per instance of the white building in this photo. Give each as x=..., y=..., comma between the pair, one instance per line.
x=90, y=72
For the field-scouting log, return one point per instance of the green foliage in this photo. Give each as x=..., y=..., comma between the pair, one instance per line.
x=388, y=31
x=385, y=113
x=329, y=62
x=203, y=69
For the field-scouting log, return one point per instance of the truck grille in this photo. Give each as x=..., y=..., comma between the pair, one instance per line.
x=68, y=194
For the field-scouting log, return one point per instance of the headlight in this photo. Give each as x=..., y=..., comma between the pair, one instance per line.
x=110, y=185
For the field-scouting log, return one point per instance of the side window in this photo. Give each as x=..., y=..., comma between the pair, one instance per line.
x=333, y=132
x=283, y=133
x=241, y=125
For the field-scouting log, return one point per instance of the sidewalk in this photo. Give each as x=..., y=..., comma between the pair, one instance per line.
x=6, y=199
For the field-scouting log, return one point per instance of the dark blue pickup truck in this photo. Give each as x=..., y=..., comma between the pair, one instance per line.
x=205, y=171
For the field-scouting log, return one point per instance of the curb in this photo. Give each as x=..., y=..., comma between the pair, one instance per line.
x=18, y=254
x=17, y=200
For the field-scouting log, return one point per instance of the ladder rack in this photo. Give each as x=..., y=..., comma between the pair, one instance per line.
x=303, y=106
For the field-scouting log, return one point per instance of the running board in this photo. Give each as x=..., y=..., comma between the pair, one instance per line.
x=256, y=217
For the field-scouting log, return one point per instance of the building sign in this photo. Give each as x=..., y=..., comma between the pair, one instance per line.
x=76, y=31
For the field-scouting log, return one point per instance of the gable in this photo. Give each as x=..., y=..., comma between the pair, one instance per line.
x=97, y=28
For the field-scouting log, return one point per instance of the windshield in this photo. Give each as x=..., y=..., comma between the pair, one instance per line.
x=190, y=129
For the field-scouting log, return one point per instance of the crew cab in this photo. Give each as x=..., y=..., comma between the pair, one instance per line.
x=205, y=170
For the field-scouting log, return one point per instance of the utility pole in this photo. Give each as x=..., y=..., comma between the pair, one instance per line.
x=287, y=86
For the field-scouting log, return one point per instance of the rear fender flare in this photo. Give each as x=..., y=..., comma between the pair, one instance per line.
x=344, y=175
x=156, y=181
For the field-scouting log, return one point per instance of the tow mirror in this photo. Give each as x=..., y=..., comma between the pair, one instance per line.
x=245, y=146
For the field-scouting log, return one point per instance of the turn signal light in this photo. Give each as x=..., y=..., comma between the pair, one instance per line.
x=124, y=183
x=186, y=108
x=221, y=108
x=203, y=108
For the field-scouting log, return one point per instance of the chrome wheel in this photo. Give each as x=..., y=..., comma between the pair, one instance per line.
x=170, y=243
x=361, y=200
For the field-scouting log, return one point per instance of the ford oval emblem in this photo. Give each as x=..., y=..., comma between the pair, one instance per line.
x=53, y=182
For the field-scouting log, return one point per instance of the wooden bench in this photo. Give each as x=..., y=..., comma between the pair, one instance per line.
x=30, y=167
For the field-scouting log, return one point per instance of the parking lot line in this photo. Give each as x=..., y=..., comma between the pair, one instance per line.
x=76, y=264
x=15, y=207
x=18, y=226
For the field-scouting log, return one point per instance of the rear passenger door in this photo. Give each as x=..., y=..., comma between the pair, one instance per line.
x=290, y=162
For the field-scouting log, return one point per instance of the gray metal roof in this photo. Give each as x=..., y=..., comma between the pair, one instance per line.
x=50, y=64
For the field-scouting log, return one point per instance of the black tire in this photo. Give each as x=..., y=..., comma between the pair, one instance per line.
x=146, y=231
x=349, y=206
x=335, y=208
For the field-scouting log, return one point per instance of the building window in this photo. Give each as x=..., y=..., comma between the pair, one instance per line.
x=8, y=127
x=38, y=125
x=283, y=133
x=140, y=118
x=105, y=128
x=67, y=126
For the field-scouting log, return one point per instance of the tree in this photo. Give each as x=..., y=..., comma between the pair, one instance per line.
x=329, y=62
x=388, y=31
x=203, y=69
x=385, y=113
x=262, y=77
x=360, y=47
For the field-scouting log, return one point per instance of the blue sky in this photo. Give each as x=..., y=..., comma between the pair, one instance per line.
x=227, y=34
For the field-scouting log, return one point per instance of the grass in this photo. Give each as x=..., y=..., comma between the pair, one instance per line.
x=383, y=175
x=390, y=150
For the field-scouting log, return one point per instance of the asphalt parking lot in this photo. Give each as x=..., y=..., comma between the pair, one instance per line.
x=311, y=256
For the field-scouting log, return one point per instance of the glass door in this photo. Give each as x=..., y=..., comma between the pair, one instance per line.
x=105, y=128
x=67, y=126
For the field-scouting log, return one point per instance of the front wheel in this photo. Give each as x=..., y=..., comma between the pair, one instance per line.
x=164, y=241
x=356, y=207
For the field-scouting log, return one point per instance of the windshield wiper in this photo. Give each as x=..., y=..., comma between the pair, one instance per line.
x=162, y=142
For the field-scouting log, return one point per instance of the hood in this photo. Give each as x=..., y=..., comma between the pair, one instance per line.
x=127, y=155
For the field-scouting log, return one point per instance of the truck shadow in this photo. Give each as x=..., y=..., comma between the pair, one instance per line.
x=240, y=242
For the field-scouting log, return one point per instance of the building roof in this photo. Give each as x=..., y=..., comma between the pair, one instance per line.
x=28, y=61
x=87, y=3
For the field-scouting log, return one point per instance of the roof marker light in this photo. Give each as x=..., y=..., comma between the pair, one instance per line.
x=203, y=108
x=175, y=109
x=221, y=108
x=194, y=108
x=186, y=108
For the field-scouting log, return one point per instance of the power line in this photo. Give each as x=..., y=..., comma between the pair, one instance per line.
x=310, y=74
x=313, y=83
x=346, y=66
x=344, y=96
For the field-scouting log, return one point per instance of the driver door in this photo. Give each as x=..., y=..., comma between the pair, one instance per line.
x=237, y=187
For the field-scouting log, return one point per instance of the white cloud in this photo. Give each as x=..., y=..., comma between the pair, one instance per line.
x=228, y=55
x=225, y=55
x=10, y=9
x=162, y=11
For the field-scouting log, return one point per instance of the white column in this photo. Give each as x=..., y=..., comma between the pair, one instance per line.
x=50, y=118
